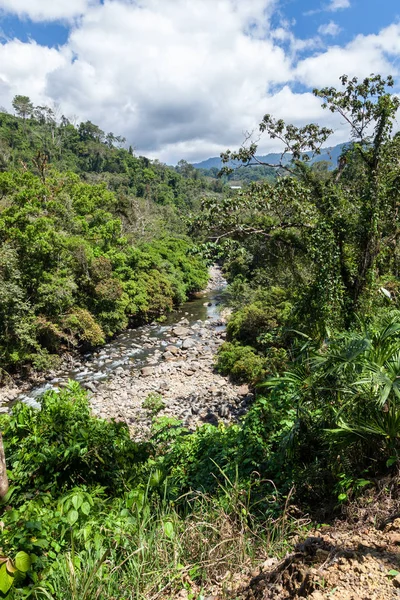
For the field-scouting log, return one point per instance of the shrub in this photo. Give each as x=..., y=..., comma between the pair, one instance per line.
x=62, y=445
x=83, y=326
x=263, y=316
x=153, y=404
x=242, y=363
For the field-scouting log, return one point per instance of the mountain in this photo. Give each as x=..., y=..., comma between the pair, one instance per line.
x=330, y=154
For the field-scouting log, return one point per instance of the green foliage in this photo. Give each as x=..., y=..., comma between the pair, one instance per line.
x=70, y=276
x=264, y=317
x=90, y=512
x=81, y=325
x=13, y=571
x=61, y=446
x=242, y=363
x=324, y=235
x=153, y=404
x=93, y=239
x=344, y=401
x=91, y=236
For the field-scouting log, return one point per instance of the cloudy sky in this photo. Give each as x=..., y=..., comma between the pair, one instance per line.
x=187, y=78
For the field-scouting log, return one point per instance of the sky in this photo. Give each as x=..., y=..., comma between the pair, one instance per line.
x=187, y=79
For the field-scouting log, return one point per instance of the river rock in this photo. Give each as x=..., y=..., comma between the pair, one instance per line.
x=178, y=364
x=223, y=411
x=181, y=332
x=188, y=343
x=147, y=371
x=243, y=389
x=90, y=385
x=172, y=349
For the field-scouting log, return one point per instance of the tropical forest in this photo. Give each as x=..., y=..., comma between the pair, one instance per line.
x=200, y=381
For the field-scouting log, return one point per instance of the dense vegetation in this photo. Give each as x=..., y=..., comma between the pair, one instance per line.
x=91, y=237
x=313, y=265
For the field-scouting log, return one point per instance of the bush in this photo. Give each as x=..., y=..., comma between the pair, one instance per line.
x=62, y=445
x=82, y=326
x=242, y=363
x=265, y=315
x=153, y=404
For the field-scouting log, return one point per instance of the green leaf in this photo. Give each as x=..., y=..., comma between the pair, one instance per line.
x=23, y=562
x=393, y=573
x=362, y=482
x=342, y=497
x=72, y=517
x=169, y=530
x=77, y=501
x=6, y=580
x=85, y=508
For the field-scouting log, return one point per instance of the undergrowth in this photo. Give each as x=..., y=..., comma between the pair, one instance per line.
x=103, y=517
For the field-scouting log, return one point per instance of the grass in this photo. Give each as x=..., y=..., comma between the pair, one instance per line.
x=206, y=547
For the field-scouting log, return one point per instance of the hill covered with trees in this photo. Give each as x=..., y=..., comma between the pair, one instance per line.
x=92, y=237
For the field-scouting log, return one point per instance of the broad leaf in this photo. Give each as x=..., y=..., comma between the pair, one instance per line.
x=23, y=562
x=72, y=517
x=169, y=530
x=85, y=508
x=6, y=580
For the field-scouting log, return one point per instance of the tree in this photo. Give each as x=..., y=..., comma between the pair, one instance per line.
x=369, y=109
x=342, y=223
x=22, y=106
x=3, y=470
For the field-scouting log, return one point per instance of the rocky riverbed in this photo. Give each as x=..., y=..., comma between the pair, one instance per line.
x=172, y=362
x=180, y=372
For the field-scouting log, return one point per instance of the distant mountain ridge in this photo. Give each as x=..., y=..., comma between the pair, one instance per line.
x=330, y=154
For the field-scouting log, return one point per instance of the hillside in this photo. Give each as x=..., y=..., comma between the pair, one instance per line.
x=329, y=154
x=92, y=238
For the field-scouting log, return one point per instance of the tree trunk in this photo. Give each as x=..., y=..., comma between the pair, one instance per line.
x=3, y=470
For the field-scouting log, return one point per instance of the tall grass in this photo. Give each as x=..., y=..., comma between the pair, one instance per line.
x=198, y=549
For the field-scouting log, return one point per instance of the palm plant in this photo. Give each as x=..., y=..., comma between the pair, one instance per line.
x=347, y=393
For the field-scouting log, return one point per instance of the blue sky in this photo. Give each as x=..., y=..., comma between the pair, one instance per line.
x=362, y=17
x=46, y=34
x=187, y=78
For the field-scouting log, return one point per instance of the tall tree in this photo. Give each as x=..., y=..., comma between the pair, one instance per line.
x=342, y=221
x=23, y=106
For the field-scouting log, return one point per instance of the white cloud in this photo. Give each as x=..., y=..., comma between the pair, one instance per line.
x=167, y=72
x=361, y=57
x=24, y=69
x=330, y=28
x=185, y=78
x=47, y=10
x=333, y=6
x=338, y=5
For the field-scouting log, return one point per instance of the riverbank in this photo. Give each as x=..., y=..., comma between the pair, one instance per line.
x=173, y=360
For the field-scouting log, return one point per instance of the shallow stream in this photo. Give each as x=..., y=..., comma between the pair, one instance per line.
x=134, y=348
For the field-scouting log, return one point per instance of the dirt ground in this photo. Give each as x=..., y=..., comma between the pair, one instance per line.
x=341, y=562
